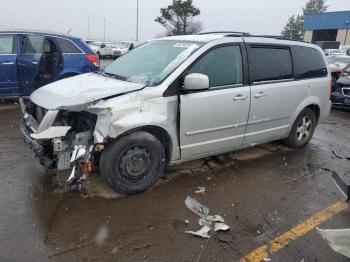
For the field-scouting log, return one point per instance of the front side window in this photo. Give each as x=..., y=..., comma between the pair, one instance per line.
x=6, y=45
x=152, y=62
x=309, y=63
x=222, y=65
x=271, y=63
x=67, y=47
x=32, y=44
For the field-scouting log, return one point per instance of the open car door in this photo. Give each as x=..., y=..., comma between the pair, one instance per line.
x=29, y=62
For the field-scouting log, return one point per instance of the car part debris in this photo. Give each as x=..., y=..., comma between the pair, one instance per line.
x=337, y=239
x=205, y=220
x=81, y=161
x=196, y=207
x=203, y=232
x=221, y=227
x=343, y=183
x=215, y=218
x=200, y=190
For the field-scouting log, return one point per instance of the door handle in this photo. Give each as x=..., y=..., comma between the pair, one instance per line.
x=240, y=97
x=8, y=63
x=259, y=95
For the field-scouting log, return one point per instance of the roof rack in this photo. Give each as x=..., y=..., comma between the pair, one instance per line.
x=278, y=37
x=227, y=33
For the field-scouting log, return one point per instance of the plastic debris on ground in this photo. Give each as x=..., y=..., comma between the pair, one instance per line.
x=200, y=190
x=337, y=239
x=203, y=232
x=206, y=220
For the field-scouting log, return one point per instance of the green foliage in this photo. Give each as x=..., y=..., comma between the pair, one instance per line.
x=294, y=29
x=178, y=18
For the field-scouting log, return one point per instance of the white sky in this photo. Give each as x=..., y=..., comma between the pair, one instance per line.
x=254, y=16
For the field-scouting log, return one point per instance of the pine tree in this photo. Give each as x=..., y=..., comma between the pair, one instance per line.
x=295, y=25
x=178, y=18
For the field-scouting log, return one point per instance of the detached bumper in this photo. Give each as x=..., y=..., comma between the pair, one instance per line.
x=38, y=147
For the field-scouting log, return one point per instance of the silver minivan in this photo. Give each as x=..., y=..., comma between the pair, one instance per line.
x=177, y=99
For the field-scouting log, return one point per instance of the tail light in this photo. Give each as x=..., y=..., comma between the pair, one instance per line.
x=93, y=59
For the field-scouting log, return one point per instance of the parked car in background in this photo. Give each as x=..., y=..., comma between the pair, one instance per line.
x=122, y=47
x=341, y=91
x=345, y=49
x=176, y=99
x=333, y=52
x=336, y=65
x=102, y=49
x=29, y=60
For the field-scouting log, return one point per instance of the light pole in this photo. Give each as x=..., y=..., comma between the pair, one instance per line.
x=137, y=20
x=88, y=26
x=104, y=29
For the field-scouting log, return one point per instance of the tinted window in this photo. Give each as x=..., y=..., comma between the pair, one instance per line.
x=32, y=44
x=6, y=45
x=271, y=63
x=223, y=66
x=67, y=46
x=308, y=62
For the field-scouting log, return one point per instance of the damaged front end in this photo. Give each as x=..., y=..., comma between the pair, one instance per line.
x=61, y=139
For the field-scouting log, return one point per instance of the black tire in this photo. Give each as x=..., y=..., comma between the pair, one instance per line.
x=133, y=163
x=302, y=130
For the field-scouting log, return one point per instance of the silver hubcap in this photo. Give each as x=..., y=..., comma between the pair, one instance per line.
x=304, y=129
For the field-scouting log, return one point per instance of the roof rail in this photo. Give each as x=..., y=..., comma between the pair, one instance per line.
x=227, y=33
x=278, y=37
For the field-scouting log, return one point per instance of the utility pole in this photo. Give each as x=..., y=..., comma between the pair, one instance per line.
x=88, y=26
x=104, y=29
x=137, y=20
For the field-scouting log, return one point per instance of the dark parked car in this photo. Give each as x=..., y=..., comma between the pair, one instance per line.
x=29, y=60
x=341, y=92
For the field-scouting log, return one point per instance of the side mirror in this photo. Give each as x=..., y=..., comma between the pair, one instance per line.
x=103, y=46
x=196, y=82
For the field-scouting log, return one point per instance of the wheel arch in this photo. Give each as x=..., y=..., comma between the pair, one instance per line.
x=312, y=103
x=158, y=132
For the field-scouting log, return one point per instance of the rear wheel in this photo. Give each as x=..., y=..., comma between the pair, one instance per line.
x=303, y=129
x=133, y=163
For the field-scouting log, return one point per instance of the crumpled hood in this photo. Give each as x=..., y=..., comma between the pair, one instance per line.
x=76, y=93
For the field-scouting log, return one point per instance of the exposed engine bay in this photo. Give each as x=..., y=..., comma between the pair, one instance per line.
x=66, y=143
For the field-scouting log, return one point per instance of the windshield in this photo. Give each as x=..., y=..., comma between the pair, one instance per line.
x=152, y=62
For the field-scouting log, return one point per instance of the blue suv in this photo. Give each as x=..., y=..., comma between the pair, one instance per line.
x=29, y=60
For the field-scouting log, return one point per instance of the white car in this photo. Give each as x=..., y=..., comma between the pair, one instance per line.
x=102, y=49
x=177, y=99
x=333, y=52
x=122, y=47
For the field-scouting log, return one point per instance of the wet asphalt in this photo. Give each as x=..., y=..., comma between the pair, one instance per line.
x=260, y=192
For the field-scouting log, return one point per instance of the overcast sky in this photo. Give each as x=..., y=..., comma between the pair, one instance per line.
x=254, y=16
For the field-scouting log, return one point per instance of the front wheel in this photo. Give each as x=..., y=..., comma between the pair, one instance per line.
x=133, y=163
x=302, y=130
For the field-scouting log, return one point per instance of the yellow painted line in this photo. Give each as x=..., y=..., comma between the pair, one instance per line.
x=299, y=230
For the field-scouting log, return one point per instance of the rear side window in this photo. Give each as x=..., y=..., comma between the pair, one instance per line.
x=6, y=45
x=308, y=63
x=32, y=44
x=271, y=63
x=67, y=47
x=222, y=65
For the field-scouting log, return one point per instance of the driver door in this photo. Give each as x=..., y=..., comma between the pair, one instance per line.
x=214, y=120
x=29, y=62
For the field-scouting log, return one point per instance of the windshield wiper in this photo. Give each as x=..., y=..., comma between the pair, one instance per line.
x=113, y=76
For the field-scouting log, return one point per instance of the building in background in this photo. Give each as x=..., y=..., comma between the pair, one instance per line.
x=329, y=26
